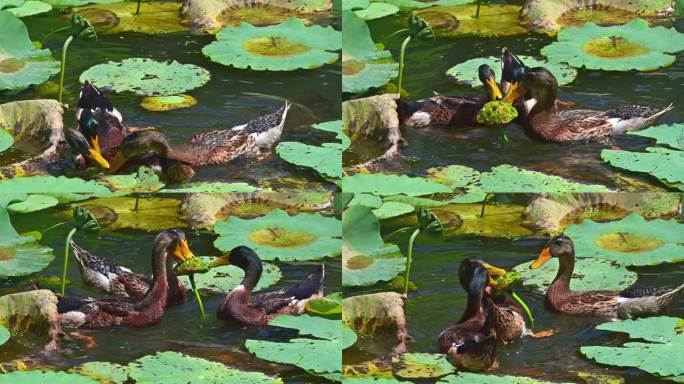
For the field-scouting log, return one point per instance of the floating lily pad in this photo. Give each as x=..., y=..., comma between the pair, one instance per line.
x=422, y=365
x=662, y=163
x=325, y=306
x=496, y=112
x=325, y=159
x=363, y=65
x=168, y=103
x=349, y=5
x=634, y=45
x=279, y=236
x=455, y=176
x=154, y=17
x=366, y=259
x=480, y=378
x=377, y=11
x=21, y=63
x=30, y=7
x=146, y=77
x=32, y=377
x=6, y=140
x=33, y=203
x=172, y=368
x=373, y=380
x=657, y=355
x=390, y=209
x=385, y=185
x=20, y=255
x=367, y=200
x=459, y=20
x=4, y=335
x=413, y=4
x=321, y=353
x=77, y=3
x=509, y=179
x=210, y=187
x=287, y=46
x=671, y=135
x=143, y=180
x=632, y=241
x=589, y=274
x=466, y=73
x=226, y=277
x=152, y=213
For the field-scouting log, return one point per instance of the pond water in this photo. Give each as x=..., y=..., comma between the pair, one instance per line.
x=180, y=329
x=230, y=98
x=482, y=148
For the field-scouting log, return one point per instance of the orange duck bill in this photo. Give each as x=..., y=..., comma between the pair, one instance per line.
x=494, y=273
x=543, y=257
x=183, y=252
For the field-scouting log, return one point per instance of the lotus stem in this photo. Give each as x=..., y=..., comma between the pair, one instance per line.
x=524, y=306
x=137, y=202
x=197, y=296
x=484, y=204
x=397, y=231
x=63, y=66
x=407, y=273
x=477, y=11
x=401, y=63
x=137, y=9
x=55, y=226
x=53, y=32
x=395, y=33
x=66, y=258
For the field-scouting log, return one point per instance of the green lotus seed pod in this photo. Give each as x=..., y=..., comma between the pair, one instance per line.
x=496, y=112
x=190, y=266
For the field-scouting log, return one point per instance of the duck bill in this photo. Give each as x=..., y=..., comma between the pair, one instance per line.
x=117, y=162
x=223, y=260
x=96, y=156
x=493, y=90
x=183, y=252
x=494, y=273
x=514, y=93
x=544, y=256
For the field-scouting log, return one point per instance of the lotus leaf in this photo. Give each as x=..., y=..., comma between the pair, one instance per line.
x=325, y=159
x=154, y=17
x=459, y=20
x=63, y=188
x=226, y=277
x=657, y=356
x=335, y=127
x=152, y=213
x=32, y=377
x=662, y=163
x=391, y=209
x=348, y=5
x=146, y=77
x=30, y=7
x=377, y=11
x=10, y=4
x=77, y=3
x=144, y=180
x=320, y=354
x=496, y=113
x=480, y=378
x=21, y=63
x=367, y=200
x=632, y=241
x=325, y=306
x=287, y=46
x=366, y=259
x=410, y=4
x=671, y=135
x=422, y=365
x=373, y=380
x=455, y=176
x=207, y=187
x=386, y=185
x=168, y=103
x=278, y=236
x=20, y=255
x=363, y=65
x=634, y=45
x=589, y=274
x=509, y=179
x=172, y=368
x=4, y=335
x=33, y=203
x=6, y=140
x=466, y=73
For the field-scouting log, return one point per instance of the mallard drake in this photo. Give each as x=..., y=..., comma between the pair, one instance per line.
x=90, y=98
x=117, y=310
x=471, y=342
x=451, y=110
x=539, y=90
x=121, y=281
x=242, y=306
x=208, y=148
x=632, y=302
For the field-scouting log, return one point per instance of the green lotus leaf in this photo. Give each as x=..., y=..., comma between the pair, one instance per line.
x=390, y=209
x=366, y=259
x=77, y=3
x=632, y=46
x=466, y=73
x=386, y=185
x=120, y=17
x=367, y=200
x=168, y=103
x=348, y=5
x=454, y=176
x=589, y=274
x=480, y=378
x=373, y=380
x=377, y=11
x=143, y=180
x=4, y=335
x=422, y=365
x=6, y=140
x=20, y=255
x=632, y=241
x=30, y=8
x=509, y=179
x=172, y=368
x=662, y=163
x=363, y=65
x=335, y=127
x=325, y=306
x=325, y=159
x=21, y=63
x=33, y=203
x=671, y=135
x=279, y=236
x=459, y=20
x=226, y=277
x=210, y=187
x=10, y=4
x=287, y=46
x=409, y=4
x=32, y=377
x=146, y=77
x=656, y=356
x=452, y=2
x=497, y=112
x=320, y=353
x=63, y=188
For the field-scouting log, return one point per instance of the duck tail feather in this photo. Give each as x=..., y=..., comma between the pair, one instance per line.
x=666, y=298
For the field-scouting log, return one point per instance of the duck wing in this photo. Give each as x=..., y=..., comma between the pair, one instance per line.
x=89, y=261
x=274, y=301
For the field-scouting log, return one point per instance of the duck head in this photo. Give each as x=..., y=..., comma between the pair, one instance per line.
x=78, y=142
x=488, y=78
x=469, y=265
x=139, y=143
x=172, y=242
x=538, y=88
x=559, y=246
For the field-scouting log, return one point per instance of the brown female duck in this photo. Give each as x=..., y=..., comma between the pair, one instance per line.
x=116, y=310
x=631, y=302
x=539, y=90
x=242, y=306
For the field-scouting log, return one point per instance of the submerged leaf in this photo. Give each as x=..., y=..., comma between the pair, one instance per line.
x=154, y=17
x=167, y=103
x=459, y=20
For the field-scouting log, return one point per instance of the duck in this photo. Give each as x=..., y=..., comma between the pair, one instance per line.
x=90, y=98
x=118, y=280
x=442, y=110
x=207, y=148
x=113, y=311
x=471, y=342
x=627, y=304
x=241, y=306
x=538, y=88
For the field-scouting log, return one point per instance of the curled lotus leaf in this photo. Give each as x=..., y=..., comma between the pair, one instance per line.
x=465, y=73
x=21, y=63
x=377, y=11
x=146, y=77
x=428, y=221
x=20, y=255
x=363, y=65
x=37, y=376
x=287, y=46
x=481, y=378
x=459, y=20
x=632, y=46
x=226, y=277
x=661, y=163
x=33, y=203
x=154, y=17
x=168, y=103
x=279, y=236
x=632, y=241
x=30, y=8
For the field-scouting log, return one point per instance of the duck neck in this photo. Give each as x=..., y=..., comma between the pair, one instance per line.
x=157, y=295
x=560, y=286
x=252, y=274
x=546, y=100
x=473, y=308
